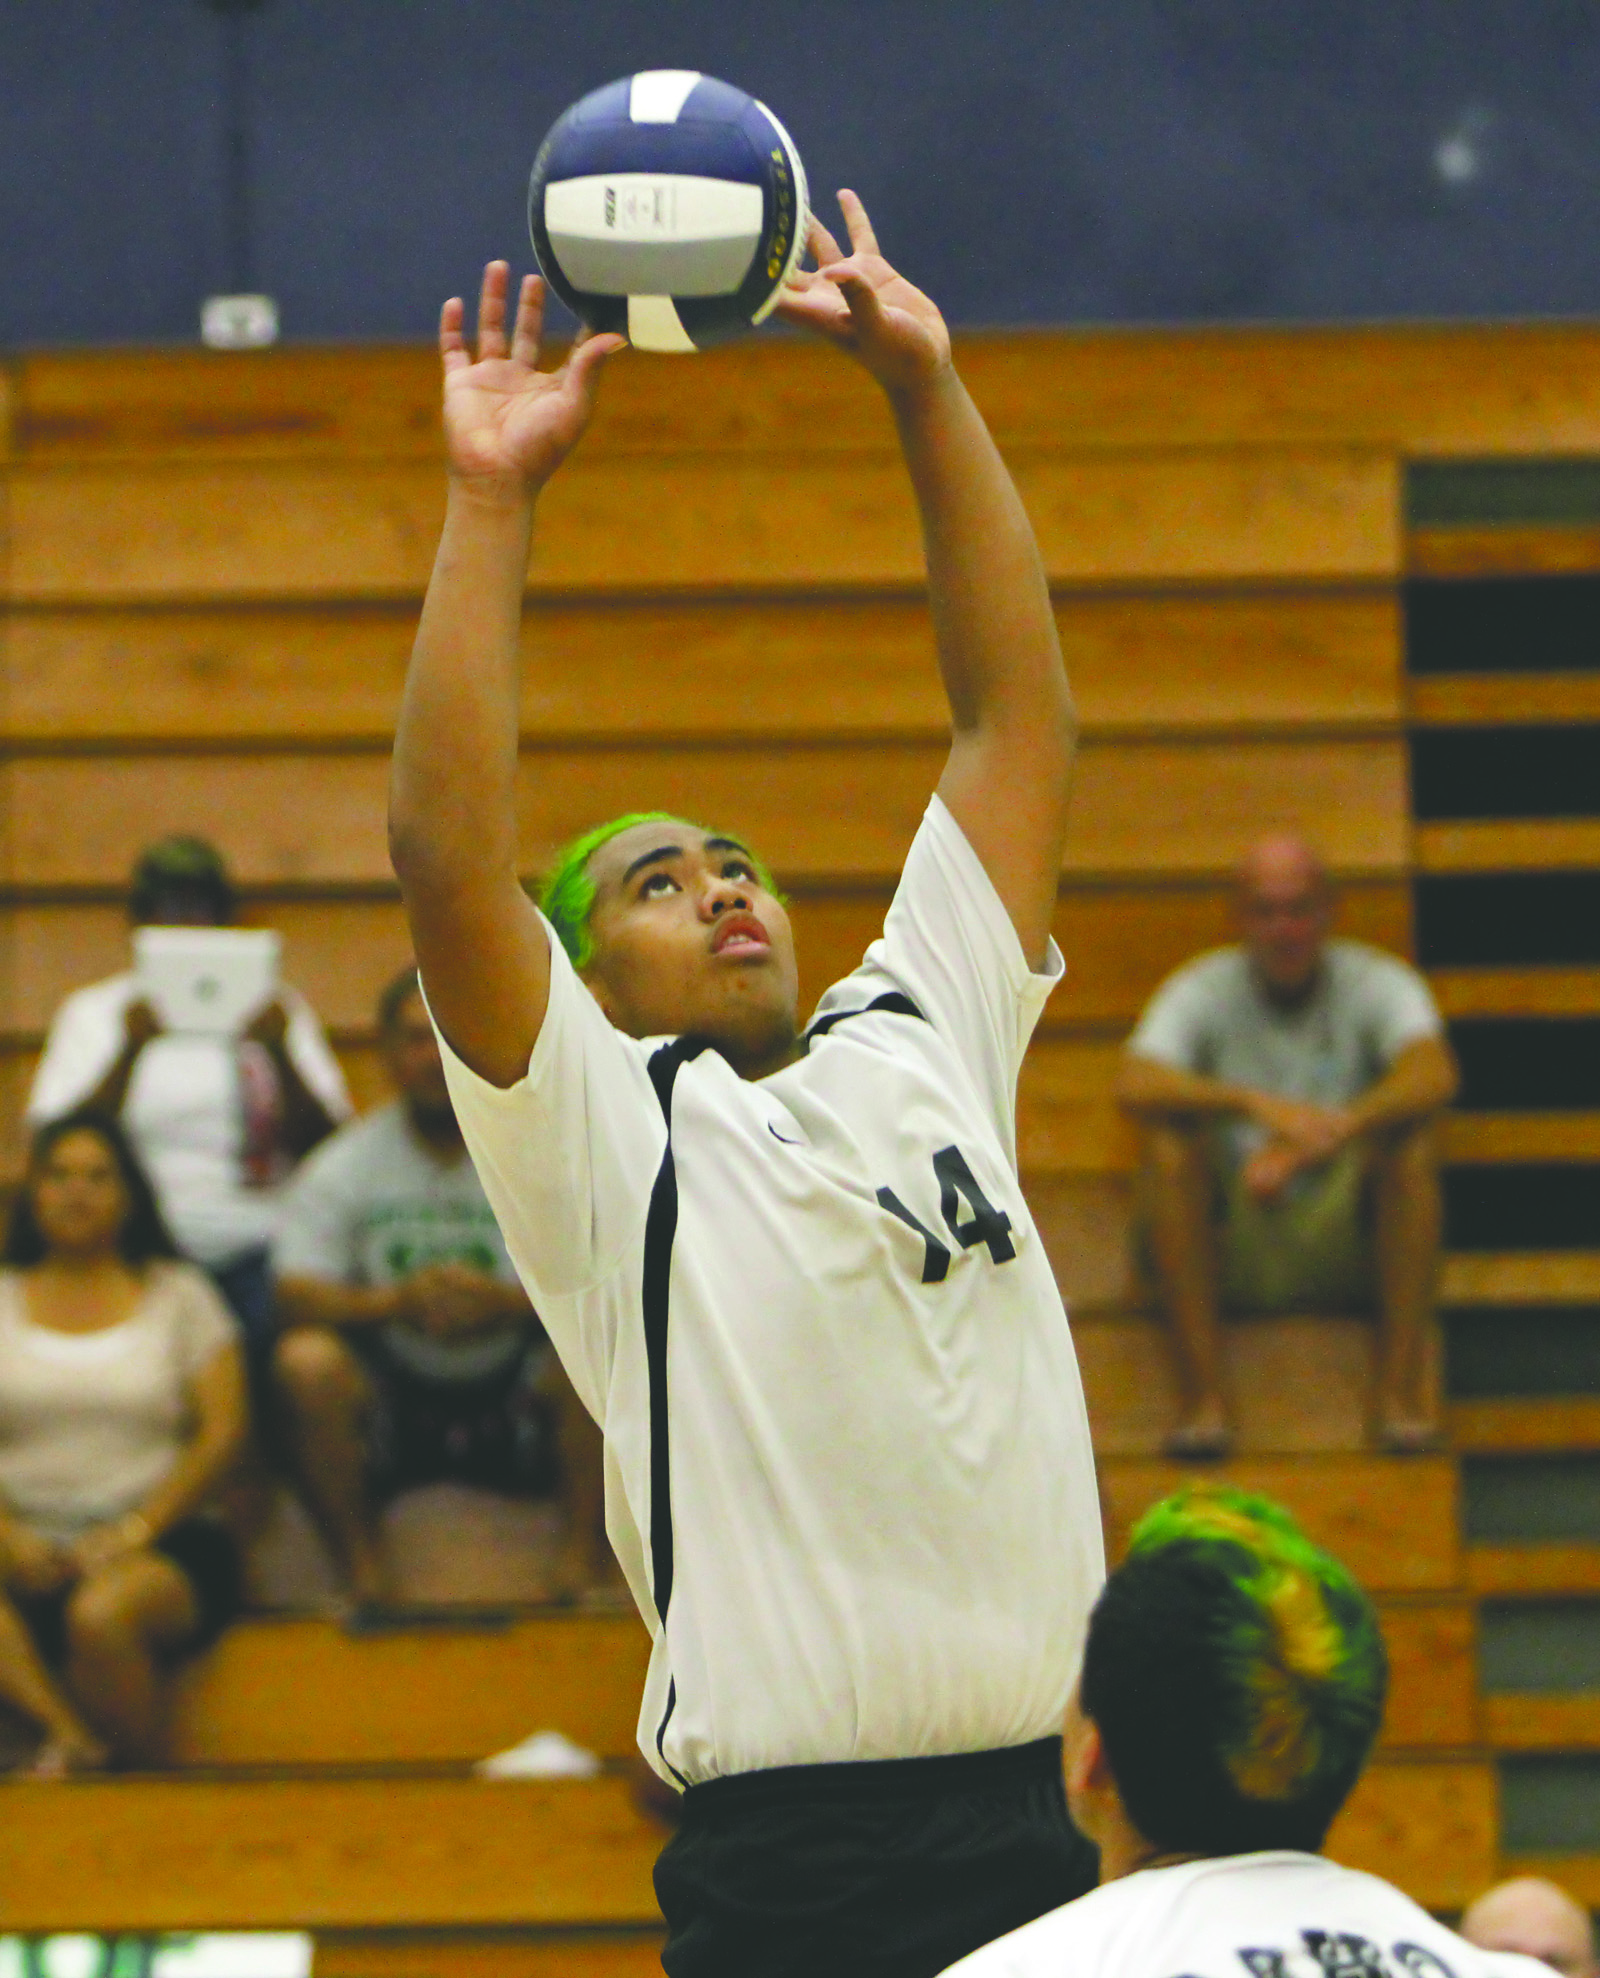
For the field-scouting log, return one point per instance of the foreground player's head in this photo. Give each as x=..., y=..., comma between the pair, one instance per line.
x=679, y=931
x=1233, y=1683
x=1535, y=1917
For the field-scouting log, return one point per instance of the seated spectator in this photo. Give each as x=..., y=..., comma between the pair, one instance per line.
x=1538, y=1919
x=1288, y=1091
x=410, y=1353
x=121, y=1410
x=1233, y=1683
x=218, y=1122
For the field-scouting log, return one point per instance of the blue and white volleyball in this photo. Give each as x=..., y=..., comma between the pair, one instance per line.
x=669, y=206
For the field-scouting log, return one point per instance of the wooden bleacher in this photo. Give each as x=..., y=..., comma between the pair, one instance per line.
x=212, y=568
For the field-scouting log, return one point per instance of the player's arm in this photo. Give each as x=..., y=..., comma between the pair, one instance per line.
x=484, y=957
x=1009, y=772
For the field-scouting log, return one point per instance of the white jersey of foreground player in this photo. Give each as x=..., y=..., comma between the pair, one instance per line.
x=848, y=1472
x=1278, y=1915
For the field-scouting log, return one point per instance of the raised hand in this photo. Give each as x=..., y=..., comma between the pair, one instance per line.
x=858, y=300
x=508, y=424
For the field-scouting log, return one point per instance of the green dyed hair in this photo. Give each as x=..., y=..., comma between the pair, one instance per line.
x=567, y=895
x=1237, y=1674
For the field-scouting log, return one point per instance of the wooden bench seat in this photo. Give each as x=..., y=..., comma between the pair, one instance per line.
x=1392, y=1520
x=309, y=1853
x=486, y=1954
x=796, y=667
x=302, y=1692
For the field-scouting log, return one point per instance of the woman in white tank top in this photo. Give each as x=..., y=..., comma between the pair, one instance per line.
x=122, y=1406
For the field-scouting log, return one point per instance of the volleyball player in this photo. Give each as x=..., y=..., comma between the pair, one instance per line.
x=790, y=1272
x=1232, y=1686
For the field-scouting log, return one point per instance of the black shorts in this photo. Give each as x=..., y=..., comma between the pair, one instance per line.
x=497, y=1431
x=890, y=1870
x=206, y=1554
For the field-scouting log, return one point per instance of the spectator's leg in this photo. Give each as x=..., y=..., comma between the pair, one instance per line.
x=1178, y=1193
x=1408, y=1215
x=27, y=1685
x=587, y=1560
x=329, y=1398
x=121, y=1622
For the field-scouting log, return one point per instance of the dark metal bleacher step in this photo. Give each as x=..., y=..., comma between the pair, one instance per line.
x=1550, y=1805
x=1442, y=493
x=1543, y=1205
x=1531, y=1500
x=1528, y=1351
x=1548, y=770
x=1528, y=1064
x=1503, y=625
x=1508, y=920
x=1539, y=1647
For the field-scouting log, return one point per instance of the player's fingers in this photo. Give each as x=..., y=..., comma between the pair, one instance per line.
x=862, y=238
x=861, y=298
x=451, y=347
x=530, y=322
x=824, y=247
x=492, y=310
x=588, y=354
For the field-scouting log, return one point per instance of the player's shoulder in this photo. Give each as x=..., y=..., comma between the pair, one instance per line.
x=1056, y=1944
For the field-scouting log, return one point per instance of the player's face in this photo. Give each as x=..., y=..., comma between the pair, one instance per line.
x=688, y=942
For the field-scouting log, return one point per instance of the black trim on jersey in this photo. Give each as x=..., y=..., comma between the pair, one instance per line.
x=661, y=1226
x=892, y=1001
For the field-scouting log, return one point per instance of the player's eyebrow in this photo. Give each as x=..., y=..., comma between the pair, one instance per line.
x=676, y=852
x=649, y=858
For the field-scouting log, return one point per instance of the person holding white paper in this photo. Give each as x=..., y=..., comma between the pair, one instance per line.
x=219, y=1121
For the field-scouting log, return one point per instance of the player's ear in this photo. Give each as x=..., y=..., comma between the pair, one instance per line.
x=1085, y=1758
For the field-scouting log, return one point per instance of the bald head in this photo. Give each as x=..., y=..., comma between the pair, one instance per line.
x=1537, y=1918
x=1285, y=912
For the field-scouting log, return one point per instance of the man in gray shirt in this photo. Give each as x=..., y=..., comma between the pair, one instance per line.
x=409, y=1352
x=1287, y=1091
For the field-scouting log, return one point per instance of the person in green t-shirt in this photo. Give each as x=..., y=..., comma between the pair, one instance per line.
x=410, y=1354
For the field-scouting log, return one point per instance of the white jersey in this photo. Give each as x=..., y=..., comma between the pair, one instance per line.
x=848, y=1471
x=1279, y=1915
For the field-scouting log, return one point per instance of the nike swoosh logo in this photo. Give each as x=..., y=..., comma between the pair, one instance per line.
x=783, y=1136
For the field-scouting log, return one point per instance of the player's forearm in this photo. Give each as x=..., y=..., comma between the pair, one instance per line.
x=452, y=797
x=1422, y=1080
x=1154, y=1091
x=996, y=632
x=320, y=1301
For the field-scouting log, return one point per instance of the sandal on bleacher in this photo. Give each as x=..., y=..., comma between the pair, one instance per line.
x=66, y=1758
x=1203, y=1441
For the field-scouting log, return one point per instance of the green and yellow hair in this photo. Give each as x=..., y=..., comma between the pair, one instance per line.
x=1237, y=1674
x=567, y=895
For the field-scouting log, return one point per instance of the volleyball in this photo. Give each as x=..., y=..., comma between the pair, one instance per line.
x=669, y=206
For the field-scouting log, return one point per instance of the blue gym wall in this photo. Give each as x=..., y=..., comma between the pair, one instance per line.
x=1089, y=160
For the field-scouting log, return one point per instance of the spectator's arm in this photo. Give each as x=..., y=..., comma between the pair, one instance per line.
x=1422, y=1079
x=305, y=1300
x=221, y=1416
x=139, y=1025
x=306, y=1120
x=1151, y=1089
